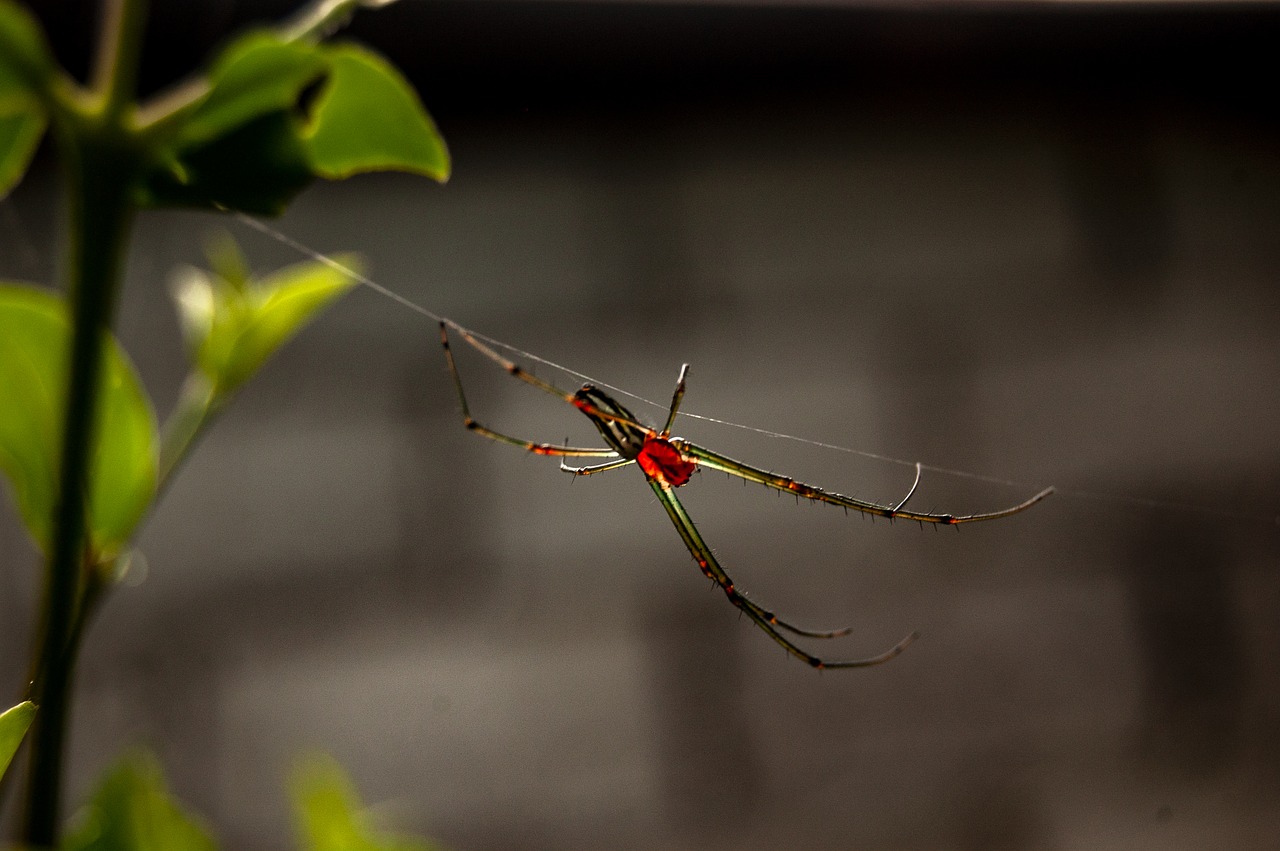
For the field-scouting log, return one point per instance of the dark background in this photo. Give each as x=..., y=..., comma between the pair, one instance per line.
x=1035, y=242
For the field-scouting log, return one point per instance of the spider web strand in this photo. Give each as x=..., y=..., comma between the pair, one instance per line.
x=1097, y=496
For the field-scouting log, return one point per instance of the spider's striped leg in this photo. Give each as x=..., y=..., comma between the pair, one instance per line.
x=716, y=461
x=485, y=431
x=676, y=398
x=596, y=468
x=763, y=618
x=514, y=369
x=509, y=365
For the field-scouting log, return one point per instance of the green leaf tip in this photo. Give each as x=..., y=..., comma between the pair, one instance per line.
x=20, y=133
x=34, y=337
x=25, y=67
x=132, y=810
x=13, y=727
x=368, y=117
x=330, y=816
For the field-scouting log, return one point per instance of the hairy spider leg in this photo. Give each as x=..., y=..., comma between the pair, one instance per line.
x=515, y=370
x=725, y=464
x=528, y=445
x=597, y=468
x=666, y=468
x=676, y=398
x=763, y=618
x=915, y=484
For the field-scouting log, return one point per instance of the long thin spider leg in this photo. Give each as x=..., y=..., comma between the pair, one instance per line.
x=676, y=398
x=485, y=431
x=763, y=618
x=516, y=370
x=728, y=465
x=897, y=508
x=596, y=468
x=710, y=566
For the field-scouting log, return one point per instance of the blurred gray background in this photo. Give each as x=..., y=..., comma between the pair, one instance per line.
x=1033, y=242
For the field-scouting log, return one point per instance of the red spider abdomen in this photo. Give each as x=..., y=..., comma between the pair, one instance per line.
x=662, y=461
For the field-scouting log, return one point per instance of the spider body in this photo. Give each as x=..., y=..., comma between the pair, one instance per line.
x=654, y=453
x=662, y=462
x=669, y=462
x=618, y=426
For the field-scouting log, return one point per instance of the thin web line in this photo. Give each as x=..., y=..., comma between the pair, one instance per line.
x=1099, y=496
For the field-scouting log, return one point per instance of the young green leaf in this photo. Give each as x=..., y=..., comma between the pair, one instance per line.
x=133, y=811
x=13, y=726
x=329, y=814
x=233, y=324
x=368, y=118
x=34, y=335
x=25, y=61
x=20, y=132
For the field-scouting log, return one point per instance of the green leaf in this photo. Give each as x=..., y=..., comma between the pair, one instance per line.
x=25, y=66
x=234, y=324
x=256, y=168
x=34, y=339
x=241, y=146
x=133, y=811
x=368, y=118
x=330, y=817
x=20, y=133
x=25, y=60
x=255, y=75
x=13, y=726
x=255, y=140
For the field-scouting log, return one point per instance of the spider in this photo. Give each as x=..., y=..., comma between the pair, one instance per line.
x=668, y=462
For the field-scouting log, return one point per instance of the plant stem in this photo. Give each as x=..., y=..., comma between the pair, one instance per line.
x=102, y=163
x=322, y=17
x=196, y=407
x=101, y=214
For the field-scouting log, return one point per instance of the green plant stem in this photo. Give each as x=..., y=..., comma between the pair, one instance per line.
x=101, y=214
x=196, y=407
x=102, y=162
x=320, y=18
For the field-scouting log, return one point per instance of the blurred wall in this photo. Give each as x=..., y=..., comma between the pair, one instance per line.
x=1032, y=243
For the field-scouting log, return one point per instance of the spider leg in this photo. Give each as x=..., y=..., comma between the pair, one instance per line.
x=716, y=461
x=596, y=468
x=485, y=431
x=897, y=508
x=676, y=398
x=763, y=618
x=514, y=369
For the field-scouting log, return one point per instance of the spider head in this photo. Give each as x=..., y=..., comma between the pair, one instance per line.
x=618, y=426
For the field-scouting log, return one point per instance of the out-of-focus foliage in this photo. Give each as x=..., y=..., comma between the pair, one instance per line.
x=34, y=338
x=13, y=726
x=233, y=322
x=278, y=114
x=133, y=811
x=331, y=818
